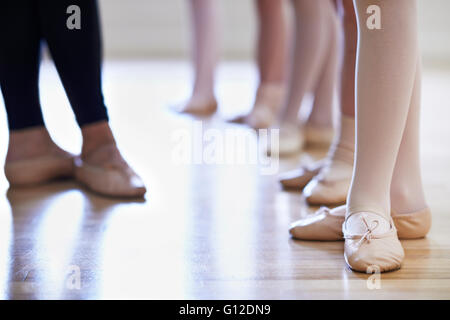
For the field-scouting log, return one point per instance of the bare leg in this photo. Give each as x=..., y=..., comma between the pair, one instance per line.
x=324, y=92
x=312, y=30
x=272, y=41
x=204, y=17
x=271, y=61
x=313, y=70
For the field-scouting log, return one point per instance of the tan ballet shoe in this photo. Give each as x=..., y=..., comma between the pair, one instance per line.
x=318, y=136
x=323, y=192
x=331, y=185
x=39, y=170
x=323, y=225
x=372, y=251
x=266, y=106
x=291, y=141
x=299, y=178
x=115, y=179
x=414, y=225
x=328, y=225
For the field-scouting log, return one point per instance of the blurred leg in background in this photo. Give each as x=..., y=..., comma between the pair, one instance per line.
x=77, y=57
x=327, y=181
x=271, y=61
x=314, y=70
x=205, y=57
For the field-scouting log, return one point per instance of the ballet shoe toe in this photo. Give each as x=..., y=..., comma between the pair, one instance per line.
x=372, y=250
x=380, y=255
x=297, y=179
x=323, y=225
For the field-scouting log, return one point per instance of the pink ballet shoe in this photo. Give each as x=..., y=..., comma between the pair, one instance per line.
x=39, y=170
x=266, y=107
x=318, y=136
x=299, y=178
x=113, y=179
x=414, y=225
x=326, y=192
x=326, y=224
x=372, y=250
x=323, y=225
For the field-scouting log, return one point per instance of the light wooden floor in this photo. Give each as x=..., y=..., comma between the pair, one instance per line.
x=204, y=231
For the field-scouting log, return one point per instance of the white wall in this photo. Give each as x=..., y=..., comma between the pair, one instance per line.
x=160, y=28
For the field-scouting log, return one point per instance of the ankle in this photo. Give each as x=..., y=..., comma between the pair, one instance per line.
x=359, y=200
x=95, y=136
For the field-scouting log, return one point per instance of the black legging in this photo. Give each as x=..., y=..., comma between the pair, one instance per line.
x=76, y=54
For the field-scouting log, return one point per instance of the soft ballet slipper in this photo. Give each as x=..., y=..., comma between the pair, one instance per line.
x=371, y=243
x=39, y=170
x=328, y=225
x=114, y=179
x=318, y=136
x=330, y=186
x=266, y=107
x=413, y=225
x=299, y=178
x=323, y=225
